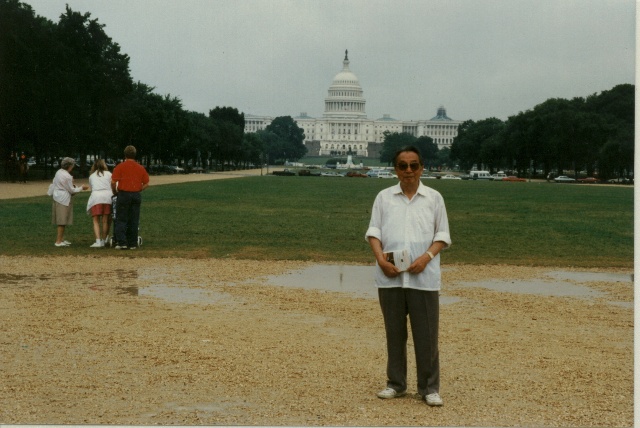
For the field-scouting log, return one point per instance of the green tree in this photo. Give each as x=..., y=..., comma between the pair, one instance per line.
x=616, y=108
x=393, y=141
x=252, y=150
x=443, y=159
x=272, y=146
x=96, y=77
x=478, y=143
x=227, y=141
x=428, y=150
x=28, y=53
x=291, y=139
x=157, y=125
x=201, y=131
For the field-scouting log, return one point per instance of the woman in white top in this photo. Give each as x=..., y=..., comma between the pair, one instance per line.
x=62, y=191
x=99, y=204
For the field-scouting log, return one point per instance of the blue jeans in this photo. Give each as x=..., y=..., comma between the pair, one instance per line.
x=127, y=218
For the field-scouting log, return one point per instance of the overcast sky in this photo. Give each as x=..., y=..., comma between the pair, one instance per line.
x=478, y=58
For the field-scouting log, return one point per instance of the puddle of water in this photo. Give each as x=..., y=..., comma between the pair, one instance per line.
x=355, y=280
x=539, y=287
x=590, y=276
x=177, y=294
x=358, y=280
x=560, y=284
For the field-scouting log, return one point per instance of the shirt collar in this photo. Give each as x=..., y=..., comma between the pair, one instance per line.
x=422, y=189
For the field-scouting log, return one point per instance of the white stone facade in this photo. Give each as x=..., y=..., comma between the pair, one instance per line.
x=344, y=128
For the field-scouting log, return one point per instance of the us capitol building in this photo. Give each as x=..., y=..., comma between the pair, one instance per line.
x=344, y=128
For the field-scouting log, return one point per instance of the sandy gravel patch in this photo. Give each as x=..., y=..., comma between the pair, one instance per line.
x=84, y=343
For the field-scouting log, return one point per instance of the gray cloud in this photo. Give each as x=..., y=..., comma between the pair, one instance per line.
x=478, y=58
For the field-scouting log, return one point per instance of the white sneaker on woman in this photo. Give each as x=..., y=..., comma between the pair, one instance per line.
x=96, y=245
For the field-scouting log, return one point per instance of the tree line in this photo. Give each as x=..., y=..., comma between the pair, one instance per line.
x=593, y=134
x=66, y=90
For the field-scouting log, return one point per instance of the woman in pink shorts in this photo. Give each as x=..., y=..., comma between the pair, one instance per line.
x=99, y=204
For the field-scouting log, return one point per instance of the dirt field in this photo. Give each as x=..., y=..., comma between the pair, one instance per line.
x=83, y=342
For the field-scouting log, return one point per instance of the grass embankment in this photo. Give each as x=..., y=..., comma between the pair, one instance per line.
x=324, y=219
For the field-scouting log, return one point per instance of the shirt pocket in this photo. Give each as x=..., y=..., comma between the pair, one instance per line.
x=424, y=221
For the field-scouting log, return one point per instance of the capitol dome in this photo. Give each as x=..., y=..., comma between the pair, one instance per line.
x=345, y=98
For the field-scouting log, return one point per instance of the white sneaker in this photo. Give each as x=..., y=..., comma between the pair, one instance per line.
x=102, y=242
x=66, y=242
x=434, y=399
x=391, y=393
x=62, y=244
x=96, y=245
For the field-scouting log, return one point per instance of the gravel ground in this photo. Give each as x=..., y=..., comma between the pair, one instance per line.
x=84, y=341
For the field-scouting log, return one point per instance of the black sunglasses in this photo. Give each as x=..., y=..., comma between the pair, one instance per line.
x=413, y=165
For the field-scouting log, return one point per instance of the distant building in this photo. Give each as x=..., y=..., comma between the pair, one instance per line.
x=344, y=128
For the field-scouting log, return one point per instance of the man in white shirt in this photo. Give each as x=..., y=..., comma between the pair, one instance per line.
x=412, y=217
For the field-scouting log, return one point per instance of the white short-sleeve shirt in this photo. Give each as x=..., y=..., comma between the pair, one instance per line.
x=412, y=224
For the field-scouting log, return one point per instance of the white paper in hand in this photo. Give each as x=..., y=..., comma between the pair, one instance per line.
x=399, y=258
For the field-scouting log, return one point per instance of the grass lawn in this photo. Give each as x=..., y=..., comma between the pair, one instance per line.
x=325, y=218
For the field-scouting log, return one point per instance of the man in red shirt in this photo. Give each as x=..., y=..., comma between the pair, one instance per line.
x=128, y=180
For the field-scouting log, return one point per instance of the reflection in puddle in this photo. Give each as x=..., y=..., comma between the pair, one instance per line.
x=560, y=284
x=356, y=280
x=590, y=276
x=175, y=294
x=558, y=289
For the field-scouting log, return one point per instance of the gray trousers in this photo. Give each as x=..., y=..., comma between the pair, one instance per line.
x=423, y=309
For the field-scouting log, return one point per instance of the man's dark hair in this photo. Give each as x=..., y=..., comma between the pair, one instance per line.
x=413, y=149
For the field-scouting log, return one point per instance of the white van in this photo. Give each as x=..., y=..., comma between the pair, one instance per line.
x=386, y=174
x=480, y=175
x=498, y=176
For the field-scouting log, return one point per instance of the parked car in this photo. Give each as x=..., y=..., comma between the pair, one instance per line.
x=589, y=180
x=373, y=173
x=512, y=178
x=175, y=169
x=480, y=175
x=621, y=180
x=427, y=176
x=356, y=174
x=450, y=177
x=330, y=174
x=498, y=176
x=284, y=172
x=564, y=179
x=161, y=169
x=386, y=174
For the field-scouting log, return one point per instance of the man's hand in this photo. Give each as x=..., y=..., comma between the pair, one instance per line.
x=389, y=269
x=419, y=264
